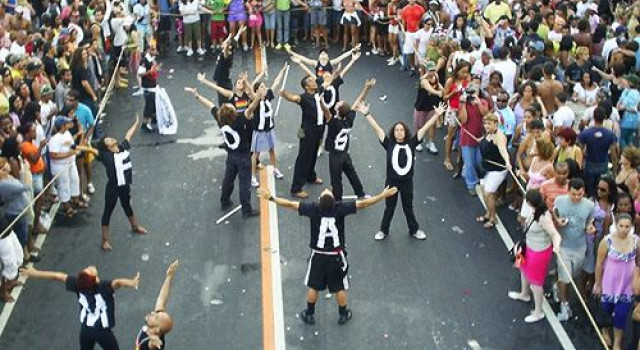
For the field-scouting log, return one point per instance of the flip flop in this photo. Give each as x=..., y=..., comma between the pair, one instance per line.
x=489, y=224
x=482, y=218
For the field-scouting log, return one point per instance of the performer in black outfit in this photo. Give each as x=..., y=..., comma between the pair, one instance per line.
x=401, y=150
x=97, y=303
x=148, y=72
x=115, y=157
x=237, y=130
x=337, y=144
x=328, y=265
x=158, y=322
x=222, y=72
x=310, y=134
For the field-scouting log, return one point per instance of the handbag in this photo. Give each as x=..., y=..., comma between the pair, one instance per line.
x=517, y=251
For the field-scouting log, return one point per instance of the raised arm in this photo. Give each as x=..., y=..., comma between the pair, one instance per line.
x=345, y=55
x=302, y=66
x=248, y=113
x=354, y=57
x=301, y=58
x=370, y=83
x=279, y=77
x=132, y=283
x=163, y=296
x=204, y=101
x=45, y=275
x=364, y=109
x=265, y=193
x=289, y=96
x=422, y=132
x=224, y=92
x=132, y=130
x=367, y=202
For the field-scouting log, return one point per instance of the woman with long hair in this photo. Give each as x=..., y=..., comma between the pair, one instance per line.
x=400, y=147
x=585, y=91
x=567, y=148
x=459, y=28
x=627, y=178
x=16, y=106
x=525, y=98
x=453, y=89
x=542, y=240
x=393, y=10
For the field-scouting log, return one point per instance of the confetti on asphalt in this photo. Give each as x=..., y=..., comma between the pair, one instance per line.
x=169, y=76
x=431, y=198
x=290, y=146
x=457, y=229
x=171, y=71
x=228, y=280
x=368, y=53
x=466, y=255
x=442, y=219
x=485, y=282
x=383, y=98
x=316, y=333
x=473, y=324
x=244, y=291
x=167, y=244
x=301, y=338
x=386, y=336
x=288, y=328
x=328, y=296
x=226, y=222
x=514, y=320
x=145, y=257
x=206, y=288
x=216, y=302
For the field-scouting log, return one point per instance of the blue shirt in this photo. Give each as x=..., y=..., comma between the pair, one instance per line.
x=84, y=115
x=629, y=99
x=507, y=120
x=598, y=139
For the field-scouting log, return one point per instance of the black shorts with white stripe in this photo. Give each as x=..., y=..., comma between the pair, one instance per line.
x=327, y=271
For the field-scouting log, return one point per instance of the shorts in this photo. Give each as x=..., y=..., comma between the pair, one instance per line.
x=327, y=271
x=269, y=20
x=573, y=261
x=350, y=18
x=218, y=30
x=115, y=53
x=237, y=17
x=164, y=25
x=620, y=310
x=255, y=21
x=394, y=29
x=336, y=16
x=409, y=41
x=421, y=117
x=451, y=117
x=192, y=31
x=318, y=17
x=37, y=182
x=263, y=141
x=11, y=256
x=381, y=28
x=492, y=180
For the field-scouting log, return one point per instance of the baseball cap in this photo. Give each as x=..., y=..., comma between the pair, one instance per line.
x=434, y=2
x=61, y=120
x=593, y=7
x=46, y=90
x=430, y=66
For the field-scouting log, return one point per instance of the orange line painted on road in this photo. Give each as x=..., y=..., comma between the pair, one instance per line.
x=257, y=58
x=268, y=334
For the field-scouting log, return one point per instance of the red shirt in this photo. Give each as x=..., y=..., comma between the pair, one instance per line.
x=473, y=126
x=412, y=15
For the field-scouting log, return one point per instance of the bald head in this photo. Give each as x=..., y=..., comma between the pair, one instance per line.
x=165, y=323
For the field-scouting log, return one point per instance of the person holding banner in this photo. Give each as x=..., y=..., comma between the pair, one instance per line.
x=115, y=157
x=400, y=146
x=148, y=72
x=328, y=266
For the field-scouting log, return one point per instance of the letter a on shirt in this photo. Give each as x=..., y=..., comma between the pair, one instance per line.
x=328, y=229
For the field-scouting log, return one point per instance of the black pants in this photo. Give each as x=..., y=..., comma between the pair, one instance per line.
x=405, y=190
x=340, y=162
x=304, y=170
x=111, y=196
x=238, y=164
x=149, y=111
x=104, y=337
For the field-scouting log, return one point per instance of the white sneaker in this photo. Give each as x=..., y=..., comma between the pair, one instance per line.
x=419, y=148
x=533, y=318
x=389, y=59
x=320, y=150
x=392, y=61
x=431, y=147
x=374, y=51
x=419, y=235
x=245, y=48
x=189, y=53
x=565, y=312
x=278, y=174
x=149, y=126
x=138, y=93
x=90, y=188
x=201, y=52
x=380, y=236
x=513, y=295
x=254, y=182
x=181, y=49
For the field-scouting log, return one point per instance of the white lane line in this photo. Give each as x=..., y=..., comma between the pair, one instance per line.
x=225, y=216
x=550, y=316
x=8, y=307
x=276, y=277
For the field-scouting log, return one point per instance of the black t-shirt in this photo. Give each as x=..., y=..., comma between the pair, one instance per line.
x=80, y=74
x=118, y=165
x=426, y=101
x=222, y=72
x=321, y=69
x=237, y=135
x=400, y=157
x=312, y=114
x=263, y=115
x=142, y=340
x=148, y=80
x=327, y=229
x=332, y=94
x=97, y=308
x=534, y=67
x=338, y=133
x=241, y=102
x=50, y=67
x=575, y=72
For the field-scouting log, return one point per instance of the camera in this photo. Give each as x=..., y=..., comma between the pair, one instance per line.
x=468, y=94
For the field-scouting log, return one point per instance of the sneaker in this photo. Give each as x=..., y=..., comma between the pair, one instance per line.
x=245, y=48
x=565, y=312
x=189, y=53
x=472, y=192
x=554, y=292
x=345, y=318
x=389, y=59
x=513, y=295
x=90, y=188
x=533, y=318
x=254, y=182
x=392, y=62
x=149, y=126
x=320, y=151
x=374, y=51
x=431, y=147
x=380, y=236
x=278, y=174
x=419, y=235
x=181, y=49
x=307, y=318
x=201, y=52
x=279, y=46
x=287, y=46
x=419, y=148
x=138, y=93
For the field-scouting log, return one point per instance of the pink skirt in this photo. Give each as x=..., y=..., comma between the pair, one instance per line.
x=535, y=265
x=255, y=20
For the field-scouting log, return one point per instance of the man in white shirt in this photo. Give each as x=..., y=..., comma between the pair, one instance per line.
x=483, y=67
x=18, y=45
x=564, y=117
x=508, y=68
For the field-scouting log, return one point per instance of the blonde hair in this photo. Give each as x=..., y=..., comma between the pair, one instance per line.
x=490, y=117
x=582, y=51
x=544, y=148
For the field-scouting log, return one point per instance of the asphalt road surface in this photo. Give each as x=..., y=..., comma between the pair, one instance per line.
x=405, y=294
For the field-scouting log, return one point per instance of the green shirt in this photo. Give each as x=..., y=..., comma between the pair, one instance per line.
x=283, y=5
x=217, y=6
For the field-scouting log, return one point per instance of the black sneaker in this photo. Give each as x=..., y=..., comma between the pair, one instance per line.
x=345, y=318
x=251, y=213
x=307, y=318
x=225, y=207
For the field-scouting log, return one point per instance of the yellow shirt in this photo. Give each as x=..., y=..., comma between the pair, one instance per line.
x=16, y=74
x=493, y=12
x=4, y=104
x=543, y=31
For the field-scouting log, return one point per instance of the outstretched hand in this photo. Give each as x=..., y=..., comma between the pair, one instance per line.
x=370, y=83
x=355, y=55
x=136, y=281
x=362, y=108
x=191, y=90
x=171, y=270
x=27, y=271
x=442, y=107
x=389, y=191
